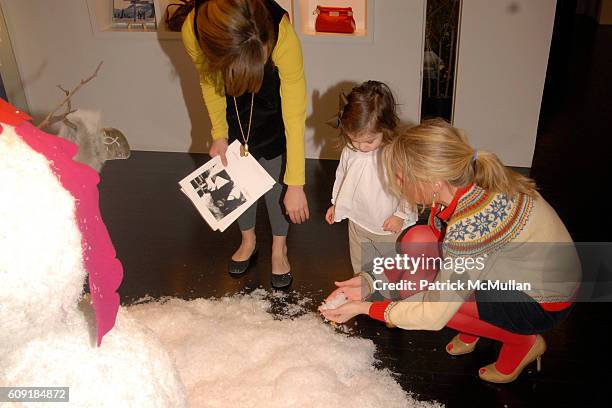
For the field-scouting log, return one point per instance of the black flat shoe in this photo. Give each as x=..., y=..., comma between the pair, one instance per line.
x=238, y=268
x=281, y=281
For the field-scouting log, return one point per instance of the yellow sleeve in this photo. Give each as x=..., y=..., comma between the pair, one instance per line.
x=215, y=102
x=287, y=56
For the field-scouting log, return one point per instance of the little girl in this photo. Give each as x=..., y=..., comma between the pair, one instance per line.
x=376, y=217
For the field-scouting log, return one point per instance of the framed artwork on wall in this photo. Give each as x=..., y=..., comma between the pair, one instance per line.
x=134, y=14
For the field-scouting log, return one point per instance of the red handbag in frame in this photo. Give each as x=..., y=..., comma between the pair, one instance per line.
x=334, y=20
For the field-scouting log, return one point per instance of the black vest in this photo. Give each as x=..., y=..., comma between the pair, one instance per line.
x=267, y=138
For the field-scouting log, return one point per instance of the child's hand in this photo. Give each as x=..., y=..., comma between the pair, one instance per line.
x=329, y=215
x=393, y=224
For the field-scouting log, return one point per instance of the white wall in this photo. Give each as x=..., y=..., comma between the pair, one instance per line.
x=148, y=87
x=503, y=54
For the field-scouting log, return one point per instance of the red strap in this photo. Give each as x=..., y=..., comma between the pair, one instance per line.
x=447, y=212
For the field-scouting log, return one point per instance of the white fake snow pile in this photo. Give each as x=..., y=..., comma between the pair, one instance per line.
x=47, y=338
x=232, y=353
x=334, y=302
x=131, y=369
x=41, y=272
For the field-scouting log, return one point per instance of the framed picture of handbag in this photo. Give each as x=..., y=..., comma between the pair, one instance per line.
x=333, y=18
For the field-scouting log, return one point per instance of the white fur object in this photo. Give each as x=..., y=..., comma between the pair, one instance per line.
x=89, y=136
x=232, y=353
x=46, y=337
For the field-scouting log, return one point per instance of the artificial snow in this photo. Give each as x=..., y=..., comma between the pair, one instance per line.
x=232, y=352
x=131, y=369
x=47, y=332
x=41, y=270
x=334, y=302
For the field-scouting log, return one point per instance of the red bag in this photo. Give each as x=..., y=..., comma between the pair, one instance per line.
x=334, y=20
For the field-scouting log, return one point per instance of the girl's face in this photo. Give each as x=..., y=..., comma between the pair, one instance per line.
x=366, y=142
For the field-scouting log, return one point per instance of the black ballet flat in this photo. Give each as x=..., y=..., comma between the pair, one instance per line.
x=238, y=268
x=281, y=281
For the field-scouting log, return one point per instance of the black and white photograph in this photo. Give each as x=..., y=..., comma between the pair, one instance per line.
x=218, y=192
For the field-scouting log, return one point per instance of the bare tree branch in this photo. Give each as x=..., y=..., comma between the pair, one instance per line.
x=67, y=99
x=62, y=118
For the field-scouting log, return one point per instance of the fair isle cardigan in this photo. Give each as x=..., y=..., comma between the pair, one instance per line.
x=519, y=238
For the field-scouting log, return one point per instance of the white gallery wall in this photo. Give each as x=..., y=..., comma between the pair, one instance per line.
x=148, y=87
x=503, y=53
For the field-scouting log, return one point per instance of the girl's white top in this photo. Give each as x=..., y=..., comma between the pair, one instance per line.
x=361, y=194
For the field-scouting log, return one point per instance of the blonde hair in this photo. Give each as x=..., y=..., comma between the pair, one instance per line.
x=434, y=150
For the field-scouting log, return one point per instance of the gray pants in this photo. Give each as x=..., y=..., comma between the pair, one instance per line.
x=278, y=222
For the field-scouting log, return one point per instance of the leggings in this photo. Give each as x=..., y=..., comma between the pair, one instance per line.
x=278, y=222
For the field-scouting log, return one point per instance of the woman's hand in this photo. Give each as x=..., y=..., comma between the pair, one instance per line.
x=296, y=204
x=393, y=224
x=218, y=148
x=347, y=311
x=329, y=215
x=351, y=289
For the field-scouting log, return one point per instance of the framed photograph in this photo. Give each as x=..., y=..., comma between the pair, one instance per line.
x=134, y=14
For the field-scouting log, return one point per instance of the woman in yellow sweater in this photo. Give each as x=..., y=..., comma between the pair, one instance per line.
x=252, y=76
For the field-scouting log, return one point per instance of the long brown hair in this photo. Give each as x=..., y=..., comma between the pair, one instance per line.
x=434, y=150
x=370, y=108
x=237, y=39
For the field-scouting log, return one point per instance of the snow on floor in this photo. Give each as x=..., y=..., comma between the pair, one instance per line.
x=231, y=352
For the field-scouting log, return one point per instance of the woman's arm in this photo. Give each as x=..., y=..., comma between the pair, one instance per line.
x=428, y=310
x=287, y=56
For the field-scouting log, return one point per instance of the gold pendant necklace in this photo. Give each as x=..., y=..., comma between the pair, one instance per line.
x=244, y=148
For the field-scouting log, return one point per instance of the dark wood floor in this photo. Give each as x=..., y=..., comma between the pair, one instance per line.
x=167, y=250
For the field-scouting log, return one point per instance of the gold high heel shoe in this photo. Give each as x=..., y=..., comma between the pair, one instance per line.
x=490, y=373
x=459, y=347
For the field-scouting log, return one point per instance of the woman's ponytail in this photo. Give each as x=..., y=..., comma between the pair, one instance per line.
x=492, y=175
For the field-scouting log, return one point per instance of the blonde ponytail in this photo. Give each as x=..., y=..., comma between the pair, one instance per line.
x=492, y=175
